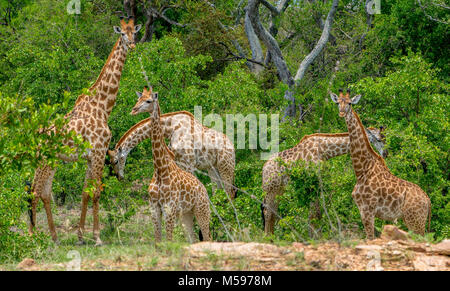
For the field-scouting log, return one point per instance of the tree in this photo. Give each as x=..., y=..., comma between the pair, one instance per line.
x=276, y=56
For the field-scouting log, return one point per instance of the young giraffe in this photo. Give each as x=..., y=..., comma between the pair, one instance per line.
x=378, y=193
x=172, y=191
x=215, y=155
x=89, y=118
x=311, y=148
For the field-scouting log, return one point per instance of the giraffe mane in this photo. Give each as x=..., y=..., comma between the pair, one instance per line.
x=80, y=97
x=341, y=134
x=366, y=141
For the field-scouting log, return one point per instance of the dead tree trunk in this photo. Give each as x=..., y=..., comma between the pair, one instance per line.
x=274, y=51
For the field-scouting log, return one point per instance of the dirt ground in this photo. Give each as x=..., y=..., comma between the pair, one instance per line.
x=394, y=250
x=379, y=254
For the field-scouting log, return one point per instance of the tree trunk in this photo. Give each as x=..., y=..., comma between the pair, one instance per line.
x=320, y=44
x=255, y=45
x=130, y=8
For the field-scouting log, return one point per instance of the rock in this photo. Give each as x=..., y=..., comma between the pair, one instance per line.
x=442, y=248
x=417, y=248
x=26, y=263
x=368, y=248
x=431, y=263
x=298, y=246
x=391, y=232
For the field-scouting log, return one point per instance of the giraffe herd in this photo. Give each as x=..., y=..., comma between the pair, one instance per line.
x=175, y=192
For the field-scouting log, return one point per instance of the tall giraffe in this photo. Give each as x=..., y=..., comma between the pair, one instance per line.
x=311, y=148
x=173, y=192
x=378, y=193
x=215, y=155
x=89, y=118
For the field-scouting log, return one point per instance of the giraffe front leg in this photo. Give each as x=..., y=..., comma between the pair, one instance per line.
x=97, y=172
x=226, y=167
x=270, y=213
x=368, y=221
x=84, y=204
x=170, y=218
x=367, y=212
x=155, y=210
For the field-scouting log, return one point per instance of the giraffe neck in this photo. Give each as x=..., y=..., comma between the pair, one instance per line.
x=362, y=154
x=161, y=155
x=142, y=131
x=333, y=146
x=104, y=90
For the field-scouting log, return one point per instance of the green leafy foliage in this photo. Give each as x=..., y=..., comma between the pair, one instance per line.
x=399, y=64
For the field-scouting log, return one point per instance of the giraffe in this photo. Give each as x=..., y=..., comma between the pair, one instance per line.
x=172, y=191
x=378, y=193
x=215, y=155
x=311, y=148
x=89, y=118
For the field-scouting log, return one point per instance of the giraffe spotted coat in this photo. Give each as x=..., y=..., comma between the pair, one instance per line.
x=214, y=152
x=378, y=193
x=89, y=118
x=173, y=192
x=312, y=148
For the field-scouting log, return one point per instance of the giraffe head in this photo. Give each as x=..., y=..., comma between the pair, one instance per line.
x=344, y=102
x=147, y=102
x=117, y=160
x=128, y=32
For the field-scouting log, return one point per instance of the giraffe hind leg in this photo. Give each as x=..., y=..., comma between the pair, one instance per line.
x=187, y=220
x=202, y=214
x=42, y=188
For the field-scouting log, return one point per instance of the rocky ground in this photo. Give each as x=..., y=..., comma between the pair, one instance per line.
x=394, y=250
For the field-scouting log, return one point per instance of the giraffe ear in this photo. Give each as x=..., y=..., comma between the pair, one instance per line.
x=137, y=27
x=355, y=99
x=117, y=29
x=139, y=94
x=334, y=97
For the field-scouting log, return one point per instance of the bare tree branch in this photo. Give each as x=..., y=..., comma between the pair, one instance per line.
x=431, y=17
x=238, y=57
x=168, y=20
x=269, y=6
x=270, y=42
x=320, y=44
x=255, y=45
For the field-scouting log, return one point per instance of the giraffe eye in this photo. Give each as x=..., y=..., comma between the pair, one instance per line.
x=148, y=101
x=116, y=162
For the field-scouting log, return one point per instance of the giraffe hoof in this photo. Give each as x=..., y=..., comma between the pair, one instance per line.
x=81, y=242
x=98, y=243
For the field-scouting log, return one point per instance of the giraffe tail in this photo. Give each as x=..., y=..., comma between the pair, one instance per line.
x=429, y=216
x=262, y=216
x=200, y=235
x=235, y=192
x=30, y=203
